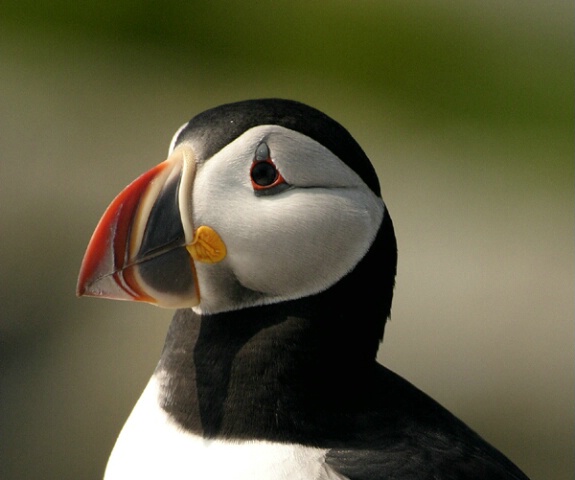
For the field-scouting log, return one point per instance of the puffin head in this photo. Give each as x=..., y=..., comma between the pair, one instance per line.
x=259, y=202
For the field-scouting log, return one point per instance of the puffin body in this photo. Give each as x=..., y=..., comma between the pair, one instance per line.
x=266, y=230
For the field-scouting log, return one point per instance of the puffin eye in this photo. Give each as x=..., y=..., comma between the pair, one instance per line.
x=264, y=174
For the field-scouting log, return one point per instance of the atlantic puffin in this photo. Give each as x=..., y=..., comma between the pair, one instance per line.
x=266, y=230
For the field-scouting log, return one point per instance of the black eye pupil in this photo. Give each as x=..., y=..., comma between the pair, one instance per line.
x=264, y=174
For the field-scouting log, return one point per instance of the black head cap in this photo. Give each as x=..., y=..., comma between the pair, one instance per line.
x=372, y=281
x=215, y=128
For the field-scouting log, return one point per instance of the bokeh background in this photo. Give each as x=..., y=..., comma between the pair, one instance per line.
x=464, y=106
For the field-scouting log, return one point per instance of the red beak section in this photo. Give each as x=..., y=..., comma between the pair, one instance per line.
x=138, y=250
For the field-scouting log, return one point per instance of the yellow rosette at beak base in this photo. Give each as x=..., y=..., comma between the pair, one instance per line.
x=207, y=246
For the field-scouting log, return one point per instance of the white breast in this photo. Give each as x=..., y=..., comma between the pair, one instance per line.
x=152, y=446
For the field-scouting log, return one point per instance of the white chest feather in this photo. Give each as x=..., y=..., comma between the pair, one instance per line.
x=151, y=446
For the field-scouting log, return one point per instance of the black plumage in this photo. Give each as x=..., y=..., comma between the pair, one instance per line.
x=305, y=372
x=297, y=370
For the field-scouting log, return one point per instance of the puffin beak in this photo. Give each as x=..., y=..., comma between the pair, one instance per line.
x=145, y=245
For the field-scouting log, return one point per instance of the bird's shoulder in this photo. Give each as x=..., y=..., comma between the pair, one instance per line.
x=405, y=434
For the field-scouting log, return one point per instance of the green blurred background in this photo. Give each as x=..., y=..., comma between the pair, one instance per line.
x=465, y=107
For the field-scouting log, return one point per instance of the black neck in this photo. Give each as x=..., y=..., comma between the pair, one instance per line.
x=281, y=371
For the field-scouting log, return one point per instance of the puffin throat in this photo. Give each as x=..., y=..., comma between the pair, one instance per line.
x=267, y=370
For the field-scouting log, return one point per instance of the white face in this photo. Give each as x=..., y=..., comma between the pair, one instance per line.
x=290, y=242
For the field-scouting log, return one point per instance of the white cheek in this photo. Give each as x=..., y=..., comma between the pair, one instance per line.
x=292, y=244
x=285, y=245
x=304, y=241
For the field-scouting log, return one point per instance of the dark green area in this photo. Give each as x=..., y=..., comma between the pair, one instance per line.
x=447, y=61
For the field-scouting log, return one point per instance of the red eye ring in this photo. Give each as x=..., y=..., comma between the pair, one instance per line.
x=265, y=175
